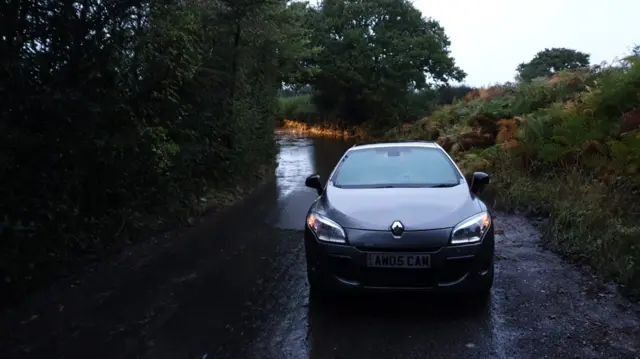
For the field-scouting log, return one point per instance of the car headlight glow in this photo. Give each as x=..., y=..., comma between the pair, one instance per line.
x=325, y=229
x=472, y=229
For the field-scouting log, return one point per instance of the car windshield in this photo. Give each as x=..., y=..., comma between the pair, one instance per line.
x=398, y=166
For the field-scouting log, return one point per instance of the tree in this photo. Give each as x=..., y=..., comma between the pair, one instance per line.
x=296, y=50
x=119, y=116
x=549, y=61
x=374, y=53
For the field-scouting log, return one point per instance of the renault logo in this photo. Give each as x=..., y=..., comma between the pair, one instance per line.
x=397, y=228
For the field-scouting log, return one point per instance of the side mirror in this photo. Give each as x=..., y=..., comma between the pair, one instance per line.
x=478, y=181
x=313, y=181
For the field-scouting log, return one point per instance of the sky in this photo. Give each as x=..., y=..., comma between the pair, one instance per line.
x=489, y=38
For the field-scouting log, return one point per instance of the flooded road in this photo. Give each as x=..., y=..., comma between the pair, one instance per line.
x=234, y=286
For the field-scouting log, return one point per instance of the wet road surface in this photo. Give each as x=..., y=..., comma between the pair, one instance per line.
x=234, y=286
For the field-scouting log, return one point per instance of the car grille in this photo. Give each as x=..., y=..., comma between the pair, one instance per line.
x=401, y=277
x=399, y=250
x=453, y=269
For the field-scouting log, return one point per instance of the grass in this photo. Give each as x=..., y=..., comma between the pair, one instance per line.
x=299, y=107
x=590, y=222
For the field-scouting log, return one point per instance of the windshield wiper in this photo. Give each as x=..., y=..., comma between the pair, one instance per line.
x=437, y=185
x=444, y=185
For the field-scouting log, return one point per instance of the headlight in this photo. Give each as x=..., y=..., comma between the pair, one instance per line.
x=471, y=230
x=325, y=229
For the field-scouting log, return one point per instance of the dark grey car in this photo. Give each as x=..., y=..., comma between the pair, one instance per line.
x=400, y=217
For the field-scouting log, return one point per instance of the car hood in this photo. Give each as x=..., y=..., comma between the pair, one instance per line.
x=416, y=208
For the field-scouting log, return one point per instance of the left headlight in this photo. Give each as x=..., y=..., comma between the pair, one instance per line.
x=325, y=229
x=472, y=229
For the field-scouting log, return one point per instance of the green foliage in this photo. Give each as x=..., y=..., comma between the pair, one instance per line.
x=573, y=154
x=370, y=59
x=119, y=116
x=549, y=61
x=590, y=223
x=300, y=108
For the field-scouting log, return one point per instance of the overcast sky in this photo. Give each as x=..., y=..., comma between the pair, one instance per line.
x=489, y=38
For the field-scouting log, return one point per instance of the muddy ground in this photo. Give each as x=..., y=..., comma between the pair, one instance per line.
x=233, y=286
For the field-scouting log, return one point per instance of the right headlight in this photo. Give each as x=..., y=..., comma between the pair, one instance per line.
x=325, y=229
x=472, y=229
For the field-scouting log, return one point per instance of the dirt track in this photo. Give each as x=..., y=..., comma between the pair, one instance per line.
x=233, y=286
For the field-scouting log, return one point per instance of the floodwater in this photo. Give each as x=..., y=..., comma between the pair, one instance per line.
x=234, y=286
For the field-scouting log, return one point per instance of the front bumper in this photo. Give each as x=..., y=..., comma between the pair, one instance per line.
x=453, y=268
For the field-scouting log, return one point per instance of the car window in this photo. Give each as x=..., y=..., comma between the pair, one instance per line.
x=396, y=167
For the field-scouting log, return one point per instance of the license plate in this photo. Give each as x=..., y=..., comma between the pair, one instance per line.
x=393, y=260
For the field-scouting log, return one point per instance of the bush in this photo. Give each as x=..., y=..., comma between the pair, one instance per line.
x=566, y=146
x=299, y=108
x=135, y=113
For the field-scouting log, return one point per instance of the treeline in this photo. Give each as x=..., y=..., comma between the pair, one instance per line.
x=117, y=116
x=300, y=106
x=375, y=61
x=381, y=63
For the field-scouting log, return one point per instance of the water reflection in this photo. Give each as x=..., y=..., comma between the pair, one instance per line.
x=295, y=162
x=300, y=157
x=326, y=153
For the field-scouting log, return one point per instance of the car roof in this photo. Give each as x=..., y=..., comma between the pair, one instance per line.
x=395, y=144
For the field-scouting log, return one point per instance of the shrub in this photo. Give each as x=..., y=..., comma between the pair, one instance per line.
x=118, y=130
x=566, y=146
